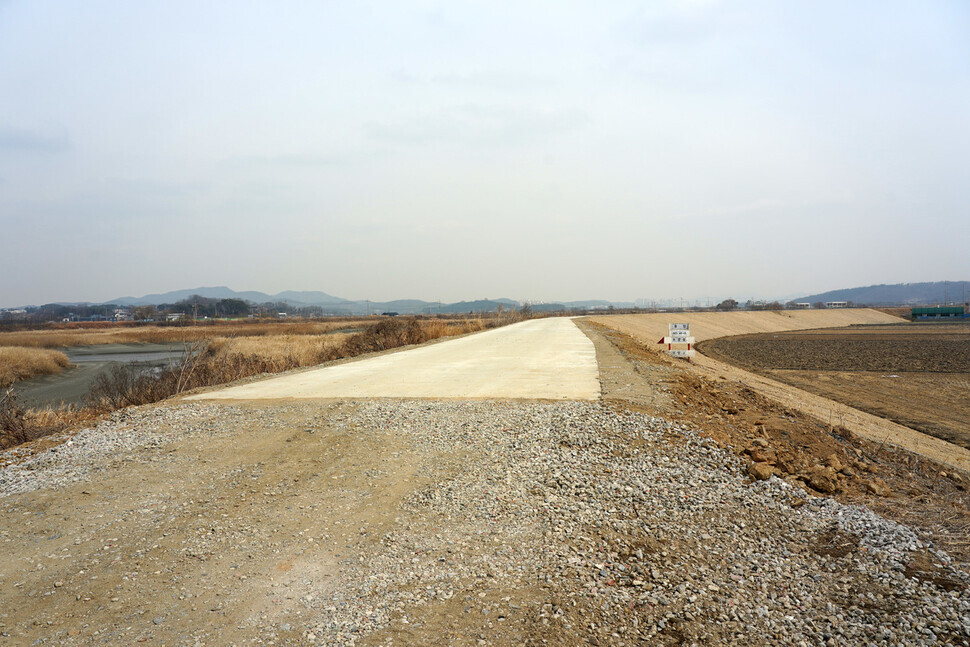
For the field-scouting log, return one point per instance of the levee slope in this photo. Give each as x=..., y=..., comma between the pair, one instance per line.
x=710, y=325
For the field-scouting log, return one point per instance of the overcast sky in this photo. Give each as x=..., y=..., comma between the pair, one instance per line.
x=443, y=150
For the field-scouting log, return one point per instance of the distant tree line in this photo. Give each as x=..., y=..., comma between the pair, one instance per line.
x=197, y=306
x=194, y=307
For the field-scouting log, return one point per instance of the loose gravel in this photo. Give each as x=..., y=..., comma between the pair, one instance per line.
x=586, y=523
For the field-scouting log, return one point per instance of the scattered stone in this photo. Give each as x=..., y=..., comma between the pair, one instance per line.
x=759, y=455
x=762, y=471
x=878, y=487
x=824, y=480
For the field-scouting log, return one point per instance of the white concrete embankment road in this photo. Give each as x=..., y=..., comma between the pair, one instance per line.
x=541, y=359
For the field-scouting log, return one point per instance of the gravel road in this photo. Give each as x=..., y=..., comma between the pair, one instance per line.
x=321, y=522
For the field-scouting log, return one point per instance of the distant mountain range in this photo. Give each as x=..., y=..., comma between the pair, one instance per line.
x=222, y=292
x=878, y=295
x=903, y=294
x=338, y=305
x=328, y=302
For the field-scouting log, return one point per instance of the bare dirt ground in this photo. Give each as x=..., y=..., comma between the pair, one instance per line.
x=917, y=375
x=933, y=403
x=295, y=522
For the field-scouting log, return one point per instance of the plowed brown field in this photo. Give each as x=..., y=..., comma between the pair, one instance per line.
x=917, y=375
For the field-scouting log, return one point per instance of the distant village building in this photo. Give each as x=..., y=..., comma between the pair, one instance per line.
x=836, y=304
x=801, y=305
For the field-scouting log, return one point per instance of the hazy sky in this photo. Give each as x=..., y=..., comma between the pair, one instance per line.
x=444, y=150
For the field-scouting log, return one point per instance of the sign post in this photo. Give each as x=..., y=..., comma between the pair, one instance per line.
x=678, y=334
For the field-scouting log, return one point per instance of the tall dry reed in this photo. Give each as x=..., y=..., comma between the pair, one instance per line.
x=17, y=363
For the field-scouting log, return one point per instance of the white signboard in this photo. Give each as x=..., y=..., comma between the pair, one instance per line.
x=679, y=334
x=677, y=340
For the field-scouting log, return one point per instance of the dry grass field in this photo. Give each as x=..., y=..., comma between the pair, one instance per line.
x=62, y=336
x=28, y=353
x=917, y=375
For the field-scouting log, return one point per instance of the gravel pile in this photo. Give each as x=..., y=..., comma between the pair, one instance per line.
x=642, y=530
x=633, y=529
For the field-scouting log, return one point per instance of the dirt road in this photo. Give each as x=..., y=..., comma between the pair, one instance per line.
x=540, y=359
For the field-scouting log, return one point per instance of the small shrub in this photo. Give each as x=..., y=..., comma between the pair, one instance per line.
x=16, y=427
x=13, y=429
x=384, y=335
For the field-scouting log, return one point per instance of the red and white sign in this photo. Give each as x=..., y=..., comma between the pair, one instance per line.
x=678, y=334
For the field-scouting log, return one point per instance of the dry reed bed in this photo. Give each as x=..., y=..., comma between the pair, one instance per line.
x=281, y=352
x=297, y=350
x=17, y=363
x=88, y=336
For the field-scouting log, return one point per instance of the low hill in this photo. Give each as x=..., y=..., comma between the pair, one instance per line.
x=481, y=305
x=329, y=303
x=898, y=294
x=222, y=292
